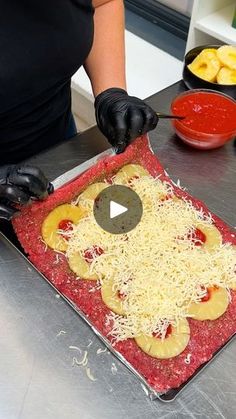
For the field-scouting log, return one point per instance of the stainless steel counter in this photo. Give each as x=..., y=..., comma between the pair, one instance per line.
x=37, y=329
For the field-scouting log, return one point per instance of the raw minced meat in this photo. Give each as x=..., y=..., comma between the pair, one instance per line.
x=205, y=337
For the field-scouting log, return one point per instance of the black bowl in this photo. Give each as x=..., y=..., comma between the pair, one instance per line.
x=194, y=82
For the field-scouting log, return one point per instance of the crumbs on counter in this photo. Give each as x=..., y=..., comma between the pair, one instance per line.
x=76, y=348
x=101, y=351
x=113, y=368
x=83, y=363
x=90, y=375
x=62, y=332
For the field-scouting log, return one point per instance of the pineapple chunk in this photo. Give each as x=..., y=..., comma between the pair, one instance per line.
x=50, y=226
x=206, y=65
x=80, y=267
x=213, y=308
x=168, y=347
x=210, y=50
x=226, y=76
x=86, y=198
x=212, y=234
x=111, y=297
x=227, y=56
x=129, y=172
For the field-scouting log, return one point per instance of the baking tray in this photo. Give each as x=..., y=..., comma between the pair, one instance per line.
x=167, y=396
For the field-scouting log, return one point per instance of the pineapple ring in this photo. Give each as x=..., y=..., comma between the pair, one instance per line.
x=128, y=172
x=211, y=309
x=111, y=298
x=80, y=267
x=233, y=287
x=169, y=347
x=174, y=198
x=86, y=198
x=226, y=76
x=206, y=65
x=213, y=236
x=50, y=225
x=227, y=56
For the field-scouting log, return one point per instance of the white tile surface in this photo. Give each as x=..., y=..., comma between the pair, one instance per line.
x=148, y=69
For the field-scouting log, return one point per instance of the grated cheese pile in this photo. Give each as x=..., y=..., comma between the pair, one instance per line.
x=155, y=266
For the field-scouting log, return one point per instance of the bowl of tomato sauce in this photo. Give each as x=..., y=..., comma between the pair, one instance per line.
x=210, y=118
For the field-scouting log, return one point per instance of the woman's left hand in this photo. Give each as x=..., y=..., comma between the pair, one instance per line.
x=122, y=118
x=18, y=184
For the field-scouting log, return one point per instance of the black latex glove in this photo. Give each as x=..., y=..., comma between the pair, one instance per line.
x=121, y=117
x=18, y=184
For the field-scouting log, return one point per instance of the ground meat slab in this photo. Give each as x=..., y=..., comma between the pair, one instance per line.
x=206, y=337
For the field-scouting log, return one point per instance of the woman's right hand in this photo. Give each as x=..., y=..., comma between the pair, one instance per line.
x=18, y=184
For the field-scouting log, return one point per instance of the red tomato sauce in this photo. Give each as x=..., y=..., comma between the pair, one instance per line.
x=121, y=295
x=207, y=296
x=65, y=225
x=209, y=292
x=206, y=112
x=93, y=252
x=198, y=237
x=167, y=334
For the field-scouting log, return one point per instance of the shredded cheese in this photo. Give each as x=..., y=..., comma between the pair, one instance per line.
x=101, y=351
x=90, y=375
x=75, y=348
x=45, y=244
x=144, y=389
x=62, y=332
x=113, y=368
x=57, y=260
x=83, y=362
x=156, y=266
x=187, y=360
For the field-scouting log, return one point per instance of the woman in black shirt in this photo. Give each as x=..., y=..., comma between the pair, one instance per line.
x=42, y=45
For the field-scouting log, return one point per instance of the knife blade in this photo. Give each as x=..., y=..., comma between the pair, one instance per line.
x=78, y=170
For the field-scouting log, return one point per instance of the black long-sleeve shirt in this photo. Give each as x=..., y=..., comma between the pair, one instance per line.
x=42, y=44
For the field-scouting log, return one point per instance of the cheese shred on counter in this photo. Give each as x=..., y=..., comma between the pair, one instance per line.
x=156, y=266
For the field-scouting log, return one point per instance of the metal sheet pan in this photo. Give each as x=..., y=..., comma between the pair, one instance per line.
x=81, y=168
x=168, y=396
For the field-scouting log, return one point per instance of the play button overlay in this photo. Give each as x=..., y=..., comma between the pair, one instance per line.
x=118, y=209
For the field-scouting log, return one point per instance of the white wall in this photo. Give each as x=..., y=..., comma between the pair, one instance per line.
x=183, y=6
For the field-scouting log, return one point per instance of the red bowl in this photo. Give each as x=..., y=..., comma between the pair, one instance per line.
x=210, y=118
